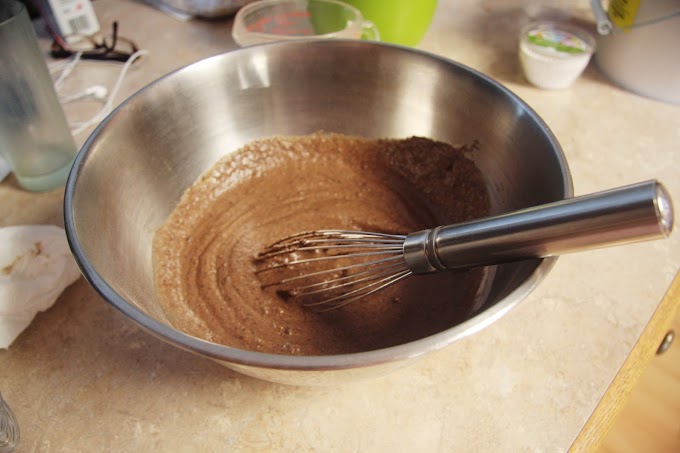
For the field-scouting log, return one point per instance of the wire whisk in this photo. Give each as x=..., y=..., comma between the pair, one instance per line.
x=348, y=264
x=327, y=269
x=9, y=428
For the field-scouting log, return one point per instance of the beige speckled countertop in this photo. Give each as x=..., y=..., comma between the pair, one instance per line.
x=83, y=378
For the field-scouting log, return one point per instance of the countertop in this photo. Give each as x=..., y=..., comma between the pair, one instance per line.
x=84, y=378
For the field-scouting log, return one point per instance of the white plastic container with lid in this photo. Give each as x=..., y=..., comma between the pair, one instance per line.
x=554, y=55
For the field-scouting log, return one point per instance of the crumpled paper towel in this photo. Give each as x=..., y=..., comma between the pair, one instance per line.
x=36, y=265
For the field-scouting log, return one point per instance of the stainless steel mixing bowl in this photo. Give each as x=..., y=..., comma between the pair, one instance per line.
x=133, y=169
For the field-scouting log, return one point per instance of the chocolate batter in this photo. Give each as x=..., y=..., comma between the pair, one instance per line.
x=203, y=254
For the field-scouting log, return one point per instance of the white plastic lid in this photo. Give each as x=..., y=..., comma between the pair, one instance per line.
x=555, y=40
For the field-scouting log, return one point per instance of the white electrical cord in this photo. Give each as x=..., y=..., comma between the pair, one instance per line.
x=68, y=68
x=96, y=92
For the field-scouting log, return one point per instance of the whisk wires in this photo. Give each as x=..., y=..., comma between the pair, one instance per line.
x=327, y=269
x=9, y=428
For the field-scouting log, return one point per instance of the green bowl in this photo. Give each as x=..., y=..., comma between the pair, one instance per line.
x=399, y=21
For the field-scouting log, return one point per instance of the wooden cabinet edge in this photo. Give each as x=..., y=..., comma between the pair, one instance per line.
x=612, y=402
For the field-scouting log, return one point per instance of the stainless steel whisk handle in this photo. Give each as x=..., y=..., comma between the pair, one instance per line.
x=632, y=213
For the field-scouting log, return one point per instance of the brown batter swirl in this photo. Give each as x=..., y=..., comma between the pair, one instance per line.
x=203, y=254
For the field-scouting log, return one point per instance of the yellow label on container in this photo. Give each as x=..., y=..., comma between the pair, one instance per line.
x=622, y=12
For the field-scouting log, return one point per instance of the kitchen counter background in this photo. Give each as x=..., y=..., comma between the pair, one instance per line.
x=82, y=377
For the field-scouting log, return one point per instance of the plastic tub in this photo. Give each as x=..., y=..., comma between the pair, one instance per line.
x=554, y=55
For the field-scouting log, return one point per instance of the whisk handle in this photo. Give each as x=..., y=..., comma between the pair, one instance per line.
x=632, y=213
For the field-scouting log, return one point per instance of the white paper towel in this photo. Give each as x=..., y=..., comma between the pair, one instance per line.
x=36, y=265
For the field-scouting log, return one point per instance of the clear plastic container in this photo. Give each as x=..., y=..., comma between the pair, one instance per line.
x=554, y=55
x=276, y=20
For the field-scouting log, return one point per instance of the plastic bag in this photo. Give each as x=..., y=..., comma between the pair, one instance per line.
x=36, y=265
